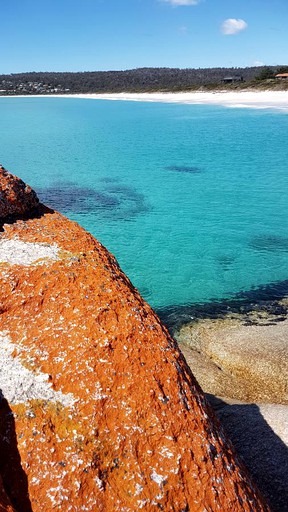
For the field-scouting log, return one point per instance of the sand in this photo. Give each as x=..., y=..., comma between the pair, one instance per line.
x=265, y=99
x=244, y=99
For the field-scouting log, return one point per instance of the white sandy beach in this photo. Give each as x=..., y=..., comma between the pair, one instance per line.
x=244, y=99
x=265, y=99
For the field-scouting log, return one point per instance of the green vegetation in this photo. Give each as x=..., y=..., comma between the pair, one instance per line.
x=266, y=74
x=143, y=80
x=282, y=69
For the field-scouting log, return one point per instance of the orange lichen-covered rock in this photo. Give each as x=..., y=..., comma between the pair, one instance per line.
x=15, y=196
x=100, y=411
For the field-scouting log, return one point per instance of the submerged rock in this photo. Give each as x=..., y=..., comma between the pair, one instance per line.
x=100, y=411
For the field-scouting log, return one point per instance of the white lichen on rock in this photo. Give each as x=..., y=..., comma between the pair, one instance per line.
x=19, y=385
x=17, y=252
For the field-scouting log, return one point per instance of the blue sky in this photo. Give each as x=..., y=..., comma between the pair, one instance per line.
x=88, y=35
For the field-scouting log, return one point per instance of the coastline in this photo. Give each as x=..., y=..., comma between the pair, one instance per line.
x=265, y=421
x=240, y=99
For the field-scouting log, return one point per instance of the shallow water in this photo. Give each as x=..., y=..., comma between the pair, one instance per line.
x=191, y=199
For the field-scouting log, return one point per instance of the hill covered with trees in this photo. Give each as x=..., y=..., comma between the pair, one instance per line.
x=139, y=80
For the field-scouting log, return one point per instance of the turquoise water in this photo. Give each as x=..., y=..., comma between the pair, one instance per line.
x=191, y=199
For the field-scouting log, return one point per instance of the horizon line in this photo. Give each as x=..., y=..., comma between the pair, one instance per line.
x=144, y=67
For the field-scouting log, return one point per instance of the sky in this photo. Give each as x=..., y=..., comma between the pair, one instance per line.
x=91, y=35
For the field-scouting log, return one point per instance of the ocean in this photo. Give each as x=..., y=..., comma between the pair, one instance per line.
x=191, y=199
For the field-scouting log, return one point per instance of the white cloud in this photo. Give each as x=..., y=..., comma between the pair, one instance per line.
x=182, y=2
x=232, y=26
x=258, y=63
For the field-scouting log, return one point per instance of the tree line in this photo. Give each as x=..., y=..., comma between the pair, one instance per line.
x=134, y=80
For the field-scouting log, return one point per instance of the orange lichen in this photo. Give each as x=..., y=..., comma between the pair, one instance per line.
x=15, y=196
x=139, y=433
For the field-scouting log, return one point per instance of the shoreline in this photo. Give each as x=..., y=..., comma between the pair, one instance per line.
x=230, y=358
x=241, y=99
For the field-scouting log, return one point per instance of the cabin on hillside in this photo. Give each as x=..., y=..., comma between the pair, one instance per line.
x=282, y=76
x=232, y=79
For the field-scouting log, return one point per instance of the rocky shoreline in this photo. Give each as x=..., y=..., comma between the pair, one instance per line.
x=243, y=357
x=98, y=407
x=259, y=433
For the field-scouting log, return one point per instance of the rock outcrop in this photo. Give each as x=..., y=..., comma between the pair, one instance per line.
x=100, y=411
x=259, y=433
x=246, y=362
x=16, y=198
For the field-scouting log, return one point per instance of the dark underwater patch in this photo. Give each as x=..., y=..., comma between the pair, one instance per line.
x=189, y=169
x=271, y=243
x=109, y=179
x=133, y=202
x=70, y=198
x=113, y=201
x=225, y=261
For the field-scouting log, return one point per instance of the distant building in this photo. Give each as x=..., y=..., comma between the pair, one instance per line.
x=282, y=76
x=232, y=79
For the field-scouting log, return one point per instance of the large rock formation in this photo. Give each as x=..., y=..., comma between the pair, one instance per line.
x=100, y=411
x=15, y=196
x=247, y=362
